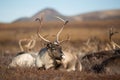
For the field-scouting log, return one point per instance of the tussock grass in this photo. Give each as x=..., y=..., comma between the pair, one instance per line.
x=79, y=33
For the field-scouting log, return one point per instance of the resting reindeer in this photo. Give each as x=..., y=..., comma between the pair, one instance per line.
x=25, y=58
x=70, y=62
x=51, y=53
x=47, y=56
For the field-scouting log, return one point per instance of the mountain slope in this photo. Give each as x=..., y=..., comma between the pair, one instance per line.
x=49, y=15
x=99, y=15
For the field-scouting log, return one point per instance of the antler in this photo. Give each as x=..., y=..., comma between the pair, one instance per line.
x=20, y=45
x=67, y=39
x=58, y=34
x=31, y=43
x=111, y=33
x=39, y=35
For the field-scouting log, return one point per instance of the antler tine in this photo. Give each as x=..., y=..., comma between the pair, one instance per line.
x=31, y=43
x=68, y=38
x=111, y=33
x=65, y=22
x=20, y=45
x=39, y=35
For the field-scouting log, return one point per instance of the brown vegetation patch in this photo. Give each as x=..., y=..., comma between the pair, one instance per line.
x=79, y=33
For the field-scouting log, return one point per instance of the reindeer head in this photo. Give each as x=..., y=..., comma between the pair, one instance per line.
x=54, y=48
x=55, y=51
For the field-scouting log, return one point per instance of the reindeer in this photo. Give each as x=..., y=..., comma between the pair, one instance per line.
x=25, y=58
x=52, y=52
x=47, y=56
x=53, y=56
x=97, y=61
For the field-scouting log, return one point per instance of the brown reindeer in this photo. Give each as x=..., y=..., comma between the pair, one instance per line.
x=52, y=51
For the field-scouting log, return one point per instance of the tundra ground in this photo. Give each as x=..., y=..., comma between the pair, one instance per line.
x=79, y=33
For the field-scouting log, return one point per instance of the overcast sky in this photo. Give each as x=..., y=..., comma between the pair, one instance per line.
x=14, y=9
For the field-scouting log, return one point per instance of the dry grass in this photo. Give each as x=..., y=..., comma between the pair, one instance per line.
x=79, y=33
x=34, y=74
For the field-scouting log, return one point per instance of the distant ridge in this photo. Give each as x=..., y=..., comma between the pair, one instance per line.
x=99, y=15
x=49, y=14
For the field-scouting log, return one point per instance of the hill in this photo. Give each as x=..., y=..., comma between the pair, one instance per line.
x=99, y=15
x=49, y=15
